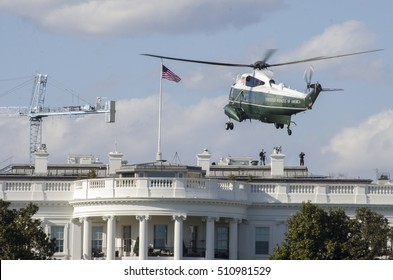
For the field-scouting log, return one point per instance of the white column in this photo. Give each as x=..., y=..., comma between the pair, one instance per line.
x=66, y=237
x=75, y=243
x=210, y=222
x=233, y=238
x=86, y=238
x=178, y=242
x=143, y=236
x=46, y=226
x=110, y=237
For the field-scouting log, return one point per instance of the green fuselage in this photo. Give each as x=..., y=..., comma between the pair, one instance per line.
x=269, y=104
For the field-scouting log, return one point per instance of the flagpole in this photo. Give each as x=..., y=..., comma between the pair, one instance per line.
x=159, y=155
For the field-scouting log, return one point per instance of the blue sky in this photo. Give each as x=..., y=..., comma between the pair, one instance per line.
x=92, y=48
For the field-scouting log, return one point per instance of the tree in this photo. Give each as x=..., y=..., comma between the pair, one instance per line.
x=21, y=236
x=369, y=235
x=316, y=234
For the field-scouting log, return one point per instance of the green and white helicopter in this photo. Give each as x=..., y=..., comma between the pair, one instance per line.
x=256, y=96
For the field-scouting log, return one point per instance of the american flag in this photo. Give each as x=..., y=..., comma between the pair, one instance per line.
x=169, y=75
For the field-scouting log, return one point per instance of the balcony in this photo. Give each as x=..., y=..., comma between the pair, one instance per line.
x=244, y=192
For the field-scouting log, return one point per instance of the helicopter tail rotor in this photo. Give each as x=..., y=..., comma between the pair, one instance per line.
x=308, y=76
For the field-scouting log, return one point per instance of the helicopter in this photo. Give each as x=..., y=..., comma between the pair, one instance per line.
x=256, y=96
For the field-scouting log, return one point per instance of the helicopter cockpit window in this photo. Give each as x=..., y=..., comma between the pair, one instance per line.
x=253, y=82
x=231, y=94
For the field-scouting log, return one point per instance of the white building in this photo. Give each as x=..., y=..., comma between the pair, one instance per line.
x=235, y=209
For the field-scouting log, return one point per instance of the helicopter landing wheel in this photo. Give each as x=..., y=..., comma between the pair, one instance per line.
x=289, y=130
x=229, y=126
x=279, y=125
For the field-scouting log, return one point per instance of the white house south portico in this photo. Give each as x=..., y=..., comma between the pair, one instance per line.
x=166, y=226
x=233, y=209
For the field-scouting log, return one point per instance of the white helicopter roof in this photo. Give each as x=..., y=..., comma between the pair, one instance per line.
x=262, y=79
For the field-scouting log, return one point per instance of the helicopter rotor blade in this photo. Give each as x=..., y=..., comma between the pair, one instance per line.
x=200, y=61
x=322, y=58
x=332, y=89
x=269, y=54
x=260, y=64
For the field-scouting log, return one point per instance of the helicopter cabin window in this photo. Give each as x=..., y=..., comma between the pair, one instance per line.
x=253, y=82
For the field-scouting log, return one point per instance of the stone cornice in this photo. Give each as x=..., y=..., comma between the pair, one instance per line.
x=144, y=201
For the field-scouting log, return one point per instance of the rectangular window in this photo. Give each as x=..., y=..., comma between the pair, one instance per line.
x=262, y=240
x=222, y=242
x=193, y=238
x=96, y=240
x=127, y=239
x=160, y=236
x=222, y=238
x=58, y=233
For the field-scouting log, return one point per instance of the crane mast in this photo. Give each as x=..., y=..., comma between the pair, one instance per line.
x=37, y=111
x=36, y=105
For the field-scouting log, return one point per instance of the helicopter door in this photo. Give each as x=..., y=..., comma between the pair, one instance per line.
x=246, y=96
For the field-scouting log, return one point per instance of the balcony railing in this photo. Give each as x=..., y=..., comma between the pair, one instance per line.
x=196, y=189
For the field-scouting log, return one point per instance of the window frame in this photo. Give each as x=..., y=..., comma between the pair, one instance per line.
x=59, y=248
x=160, y=242
x=97, y=241
x=263, y=249
x=127, y=240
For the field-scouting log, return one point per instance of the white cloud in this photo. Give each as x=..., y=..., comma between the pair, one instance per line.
x=185, y=129
x=188, y=129
x=15, y=139
x=347, y=37
x=101, y=17
x=364, y=147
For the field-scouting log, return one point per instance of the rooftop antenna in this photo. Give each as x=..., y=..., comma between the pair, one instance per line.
x=176, y=158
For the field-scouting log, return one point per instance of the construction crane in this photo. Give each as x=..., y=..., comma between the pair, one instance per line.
x=36, y=112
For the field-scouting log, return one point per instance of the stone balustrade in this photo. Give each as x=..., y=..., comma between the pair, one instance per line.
x=237, y=191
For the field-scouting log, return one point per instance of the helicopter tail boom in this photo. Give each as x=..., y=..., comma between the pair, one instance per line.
x=313, y=95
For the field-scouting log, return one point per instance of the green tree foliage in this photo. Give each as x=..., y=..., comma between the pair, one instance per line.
x=370, y=231
x=316, y=234
x=21, y=236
